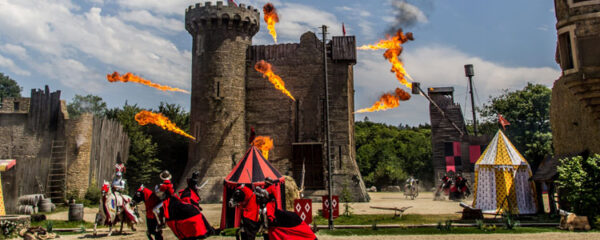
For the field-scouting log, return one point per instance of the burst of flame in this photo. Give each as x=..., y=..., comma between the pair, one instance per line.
x=129, y=77
x=265, y=68
x=271, y=18
x=387, y=101
x=145, y=117
x=394, y=48
x=264, y=143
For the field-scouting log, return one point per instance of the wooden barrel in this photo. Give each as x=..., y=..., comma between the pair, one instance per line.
x=76, y=212
x=31, y=199
x=45, y=205
x=25, y=209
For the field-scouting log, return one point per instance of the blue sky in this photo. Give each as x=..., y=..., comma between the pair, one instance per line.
x=72, y=45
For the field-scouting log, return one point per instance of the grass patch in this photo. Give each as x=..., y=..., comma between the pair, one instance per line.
x=406, y=219
x=430, y=231
x=63, y=224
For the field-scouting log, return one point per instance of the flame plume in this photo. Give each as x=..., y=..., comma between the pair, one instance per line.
x=129, y=77
x=145, y=117
x=264, y=143
x=271, y=18
x=394, y=49
x=265, y=68
x=388, y=101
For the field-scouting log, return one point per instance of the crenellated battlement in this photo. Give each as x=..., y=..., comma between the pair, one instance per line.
x=205, y=17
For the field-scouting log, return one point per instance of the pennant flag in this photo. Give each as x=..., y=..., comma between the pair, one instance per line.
x=503, y=122
x=233, y=2
x=344, y=29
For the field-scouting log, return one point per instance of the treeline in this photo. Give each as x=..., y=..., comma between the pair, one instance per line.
x=152, y=149
x=388, y=155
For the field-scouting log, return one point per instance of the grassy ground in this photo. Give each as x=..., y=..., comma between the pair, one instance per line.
x=388, y=219
x=62, y=224
x=410, y=219
x=430, y=231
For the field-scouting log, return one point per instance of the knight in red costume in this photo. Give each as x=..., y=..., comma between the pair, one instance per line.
x=190, y=193
x=282, y=224
x=150, y=200
x=184, y=219
x=245, y=197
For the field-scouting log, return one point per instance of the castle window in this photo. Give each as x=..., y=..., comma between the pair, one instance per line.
x=16, y=106
x=566, y=52
x=218, y=89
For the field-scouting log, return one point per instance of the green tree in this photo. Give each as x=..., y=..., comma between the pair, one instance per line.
x=578, y=182
x=528, y=111
x=387, y=155
x=172, y=148
x=86, y=104
x=9, y=87
x=142, y=165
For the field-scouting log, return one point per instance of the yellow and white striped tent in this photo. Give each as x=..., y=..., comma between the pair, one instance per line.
x=502, y=179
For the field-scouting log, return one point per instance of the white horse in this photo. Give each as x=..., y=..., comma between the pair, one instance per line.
x=115, y=207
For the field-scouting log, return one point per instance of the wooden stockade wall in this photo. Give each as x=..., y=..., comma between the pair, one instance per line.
x=44, y=110
x=108, y=141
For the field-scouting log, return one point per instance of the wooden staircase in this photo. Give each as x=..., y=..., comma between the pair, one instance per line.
x=56, y=183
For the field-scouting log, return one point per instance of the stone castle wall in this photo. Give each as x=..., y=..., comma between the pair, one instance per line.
x=575, y=106
x=229, y=96
x=78, y=136
x=221, y=36
x=289, y=122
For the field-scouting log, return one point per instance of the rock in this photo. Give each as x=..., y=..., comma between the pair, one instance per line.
x=391, y=189
x=372, y=189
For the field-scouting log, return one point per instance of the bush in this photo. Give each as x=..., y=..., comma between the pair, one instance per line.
x=93, y=195
x=578, y=182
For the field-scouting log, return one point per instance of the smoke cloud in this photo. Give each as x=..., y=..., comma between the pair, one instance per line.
x=406, y=15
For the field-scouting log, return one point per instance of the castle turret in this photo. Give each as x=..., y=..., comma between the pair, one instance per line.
x=575, y=106
x=221, y=36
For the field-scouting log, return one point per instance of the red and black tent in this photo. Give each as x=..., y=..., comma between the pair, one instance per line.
x=251, y=170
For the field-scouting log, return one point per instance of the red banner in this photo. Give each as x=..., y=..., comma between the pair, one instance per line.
x=335, y=204
x=303, y=207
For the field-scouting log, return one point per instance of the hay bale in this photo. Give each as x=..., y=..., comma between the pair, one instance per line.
x=291, y=193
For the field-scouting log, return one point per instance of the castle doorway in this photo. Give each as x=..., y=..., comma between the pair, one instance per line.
x=311, y=156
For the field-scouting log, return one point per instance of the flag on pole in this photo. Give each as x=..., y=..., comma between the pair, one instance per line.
x=344, y=29
x=233, y=2
x=503, y=121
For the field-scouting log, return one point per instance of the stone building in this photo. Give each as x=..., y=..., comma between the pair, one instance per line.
x=229, y=97
x=55, y=155
x=453, y=150
x=575, y=106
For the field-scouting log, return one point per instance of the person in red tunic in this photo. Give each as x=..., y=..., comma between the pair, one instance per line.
x=282, y=224
x=190, y=193
x=150, y=200
x=184, y=219
x=245, y=197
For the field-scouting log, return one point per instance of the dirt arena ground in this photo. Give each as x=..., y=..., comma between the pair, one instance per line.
x=424, y=204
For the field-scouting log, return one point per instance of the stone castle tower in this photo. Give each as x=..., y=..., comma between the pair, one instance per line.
x=229, y=97
x=575, y=107
x=221, y=36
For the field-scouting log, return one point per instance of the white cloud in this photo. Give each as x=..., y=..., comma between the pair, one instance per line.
x=54, y=34
x=11, y=66
x=437, y=66
x=296, y=19
x=360, y=17
x=146, y=18
x=15, y=50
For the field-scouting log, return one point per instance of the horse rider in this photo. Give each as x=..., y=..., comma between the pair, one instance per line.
x=190, y=193
x=246, y=198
